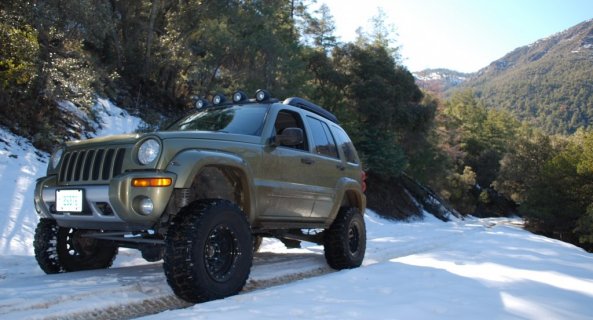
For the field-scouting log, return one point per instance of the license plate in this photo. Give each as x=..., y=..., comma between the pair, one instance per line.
x=70, y=200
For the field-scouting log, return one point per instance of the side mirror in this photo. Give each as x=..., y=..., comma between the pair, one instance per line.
x=290, y=137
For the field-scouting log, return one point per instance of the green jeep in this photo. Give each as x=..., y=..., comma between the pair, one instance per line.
x=201, y=194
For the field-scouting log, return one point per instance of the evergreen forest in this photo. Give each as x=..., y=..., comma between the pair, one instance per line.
x=154, y=57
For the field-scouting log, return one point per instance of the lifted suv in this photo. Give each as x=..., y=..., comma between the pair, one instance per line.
x=201, y=194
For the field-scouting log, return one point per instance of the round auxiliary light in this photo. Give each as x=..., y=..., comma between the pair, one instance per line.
x=239, y=96
x=56, y=157
x=201, y=103
x=148, y=152
x=218, y=99
x=146, y=206
x=262, y=95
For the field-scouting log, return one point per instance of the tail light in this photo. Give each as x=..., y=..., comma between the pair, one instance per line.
x=363, y=178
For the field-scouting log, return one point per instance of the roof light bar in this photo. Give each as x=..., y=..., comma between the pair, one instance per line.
x=262, y=95
x=239, y=96
x=201, y=103
x=218, y=99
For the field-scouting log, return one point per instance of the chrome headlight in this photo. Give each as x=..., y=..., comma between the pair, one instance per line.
x=56, y=157
x=148, y=152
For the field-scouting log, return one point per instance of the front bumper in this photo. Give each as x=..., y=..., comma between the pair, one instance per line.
x=111, y=206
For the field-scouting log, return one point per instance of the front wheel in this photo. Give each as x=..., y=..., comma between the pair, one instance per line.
x=60, y=249
x=208, y=251
x=345, y=240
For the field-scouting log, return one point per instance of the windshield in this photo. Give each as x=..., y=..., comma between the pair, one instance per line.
x=248, y=120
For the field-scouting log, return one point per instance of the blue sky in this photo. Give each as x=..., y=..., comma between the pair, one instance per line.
x=463, y=35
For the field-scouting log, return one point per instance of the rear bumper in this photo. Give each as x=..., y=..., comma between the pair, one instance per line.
x=111, y=206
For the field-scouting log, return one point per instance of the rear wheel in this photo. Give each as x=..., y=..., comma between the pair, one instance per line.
x=345, y=240
x=208, y=251
x=60, y=249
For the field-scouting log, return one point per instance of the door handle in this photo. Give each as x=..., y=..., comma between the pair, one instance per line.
x=307, y=161
x=340, y=167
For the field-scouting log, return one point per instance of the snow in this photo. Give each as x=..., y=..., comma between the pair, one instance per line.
x=21, y=164
x=69, y=107
x=439, y=76
x=114, y=120
x=427, y=269
x=470, y=269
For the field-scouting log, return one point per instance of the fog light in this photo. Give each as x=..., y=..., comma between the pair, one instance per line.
x=145, y=206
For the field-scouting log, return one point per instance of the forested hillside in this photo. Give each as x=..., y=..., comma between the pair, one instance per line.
x=540, y=153
x=149, y=56
x=548, y=83
x=155, y=57
x=501, y=165
x=519, y=134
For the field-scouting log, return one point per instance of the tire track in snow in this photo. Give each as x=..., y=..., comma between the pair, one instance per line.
x=160, y=304
x=130, y=292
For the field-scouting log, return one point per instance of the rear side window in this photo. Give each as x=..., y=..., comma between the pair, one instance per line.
x=345, y=144
x=325, y=144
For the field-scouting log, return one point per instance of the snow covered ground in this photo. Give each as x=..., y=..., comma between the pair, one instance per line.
x=464, y=269
x=472, y=269
x=21, y=164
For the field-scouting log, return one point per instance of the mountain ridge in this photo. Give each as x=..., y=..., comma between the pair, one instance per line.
x=439, y=80
x=548, y=83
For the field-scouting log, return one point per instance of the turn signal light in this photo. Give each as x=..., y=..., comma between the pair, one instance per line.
x=363, y=177
x=151, y=182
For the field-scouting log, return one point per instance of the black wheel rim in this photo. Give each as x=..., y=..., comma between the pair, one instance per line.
x=353, y=238
x=220, y=253
x=78, y=246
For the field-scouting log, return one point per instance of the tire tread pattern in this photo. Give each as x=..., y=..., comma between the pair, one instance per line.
x=337, y=249
x=53, y=257
x=179, y=268
x=45, y=246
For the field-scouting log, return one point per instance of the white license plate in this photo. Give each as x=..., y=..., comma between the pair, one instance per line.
x=70, y=200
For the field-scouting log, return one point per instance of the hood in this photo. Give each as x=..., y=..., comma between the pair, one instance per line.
x=206, y=135
x=108, y=140
x=130, y=139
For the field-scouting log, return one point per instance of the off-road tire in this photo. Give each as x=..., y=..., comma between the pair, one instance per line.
x=152, y=253
x=345, y=240
x=208, y=251
x=60, y=249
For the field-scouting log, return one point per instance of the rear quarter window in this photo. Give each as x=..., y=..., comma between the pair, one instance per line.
x=323, y=139
x=346, y=145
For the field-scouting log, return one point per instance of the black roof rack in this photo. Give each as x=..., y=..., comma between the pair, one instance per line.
x=310, y=106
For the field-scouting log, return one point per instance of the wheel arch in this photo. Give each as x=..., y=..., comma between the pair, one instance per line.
x=198, y=169
x=354, y=198
x=349, y=194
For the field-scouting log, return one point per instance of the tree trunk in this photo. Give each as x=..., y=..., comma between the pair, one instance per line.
x=150, y=37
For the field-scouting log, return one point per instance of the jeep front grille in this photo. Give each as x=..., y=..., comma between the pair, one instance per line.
x=91, y=165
